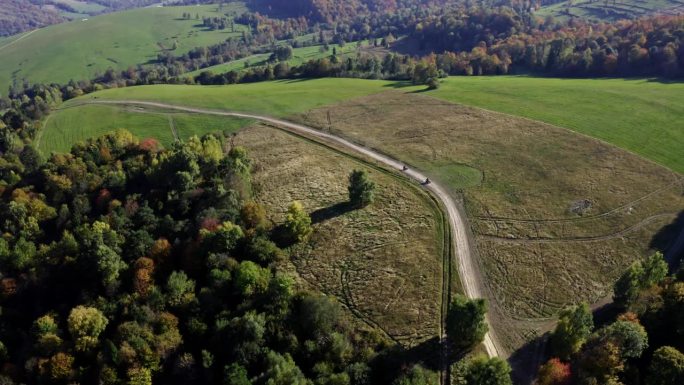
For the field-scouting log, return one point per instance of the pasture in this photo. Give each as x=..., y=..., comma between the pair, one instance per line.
x=68, y=126
x=276, y=98
x=80, y=49
x=75, y=122
x=644, y=116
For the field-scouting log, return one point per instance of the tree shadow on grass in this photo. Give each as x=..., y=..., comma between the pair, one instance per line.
x=526, y=360
x=398, y=359
x=327, y=213
x=670, y=241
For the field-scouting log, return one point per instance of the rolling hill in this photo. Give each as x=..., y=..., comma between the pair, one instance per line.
x=80, y=49
x=640, y=115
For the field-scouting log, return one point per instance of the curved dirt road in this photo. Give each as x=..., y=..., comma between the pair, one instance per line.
x=461, y=243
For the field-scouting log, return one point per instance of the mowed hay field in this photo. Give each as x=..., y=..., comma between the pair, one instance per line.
x=384, y=262
x=556, y=216
x=645, y=116
x=79, y=49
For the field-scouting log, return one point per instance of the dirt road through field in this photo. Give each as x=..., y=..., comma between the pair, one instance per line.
x=468, y=272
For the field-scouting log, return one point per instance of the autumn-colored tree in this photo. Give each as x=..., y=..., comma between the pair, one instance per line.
x=554, y=372
x=85, y=325
x=143, y=277
x=667, y=367
x=161, y=250
x=61, y=367
x=253, y=215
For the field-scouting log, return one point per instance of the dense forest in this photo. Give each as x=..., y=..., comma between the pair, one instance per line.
x=123, y=261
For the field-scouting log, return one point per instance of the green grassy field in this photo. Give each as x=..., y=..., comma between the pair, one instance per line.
x=276, y=98
x=611, y=11
x=299, y=56
x=280, y=98
x=80, y=49
x=68, y=126
x=643, y=116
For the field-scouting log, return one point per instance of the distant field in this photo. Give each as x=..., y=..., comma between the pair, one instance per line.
x=80, y=49
x=643, y=116
x=611, y=11
x=300, y=55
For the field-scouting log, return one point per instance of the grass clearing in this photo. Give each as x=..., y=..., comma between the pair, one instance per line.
x=80, y=49
x=521, y=181
x=68, y=126
x=384, y=261
x=276, y=98
x=82, y=7
x=75, y=121
x=188, y=125
x=644, y=116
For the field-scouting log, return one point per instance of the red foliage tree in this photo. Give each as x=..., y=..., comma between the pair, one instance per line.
x=554, y=372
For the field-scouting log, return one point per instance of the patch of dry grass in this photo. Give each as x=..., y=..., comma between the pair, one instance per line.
x=384, y=262
x=520, y=181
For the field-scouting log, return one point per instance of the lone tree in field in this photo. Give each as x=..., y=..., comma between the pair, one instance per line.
x=432, y=83
x=466, y=326
x=360, y=189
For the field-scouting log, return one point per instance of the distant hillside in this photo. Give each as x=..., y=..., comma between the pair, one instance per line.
x=20, y=15
x=80, y=49
x=610, y=10
x=332, y=10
